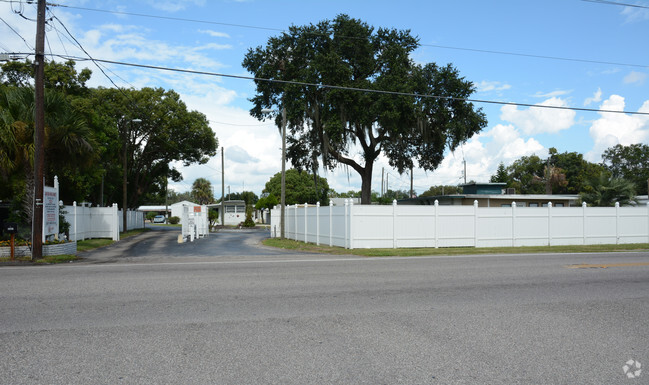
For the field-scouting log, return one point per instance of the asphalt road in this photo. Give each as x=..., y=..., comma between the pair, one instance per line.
x=304, y=319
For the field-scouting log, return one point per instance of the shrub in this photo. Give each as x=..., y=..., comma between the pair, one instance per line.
x=249, y=222
x=174, y=220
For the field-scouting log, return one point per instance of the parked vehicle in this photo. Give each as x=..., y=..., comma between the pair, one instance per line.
x=159, y=219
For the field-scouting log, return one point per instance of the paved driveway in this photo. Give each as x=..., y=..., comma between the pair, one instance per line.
x=162, y=245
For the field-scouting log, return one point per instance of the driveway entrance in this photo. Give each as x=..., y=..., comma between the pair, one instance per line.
x=161, y=244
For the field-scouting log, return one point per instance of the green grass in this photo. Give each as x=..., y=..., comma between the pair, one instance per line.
x=412, y=252
x=45, y=260
x=91, y=244
x=57, y=259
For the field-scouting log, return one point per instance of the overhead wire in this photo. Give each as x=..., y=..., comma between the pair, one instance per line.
x=336, y=87
x=468, y=49
x=616, y=3
x=17, y=33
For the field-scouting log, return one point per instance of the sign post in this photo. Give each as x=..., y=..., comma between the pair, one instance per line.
x=51, y=209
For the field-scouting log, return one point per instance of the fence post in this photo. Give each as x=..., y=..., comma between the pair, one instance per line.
x=317, y=223
x=583, y=216
x=648, y=222
x=331, y=225
x=475, y=223
x=436, y=223
x=617, y=223
x=346, y=223
x=513, y=224
x=394, y=223
x=74, y=221
x=116, y=222
x=306, y=237
x=549, y=223
x=295, y=222
x=351, y=224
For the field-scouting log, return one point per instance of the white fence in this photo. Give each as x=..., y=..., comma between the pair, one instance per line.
x=371, y=226
x=99, y=222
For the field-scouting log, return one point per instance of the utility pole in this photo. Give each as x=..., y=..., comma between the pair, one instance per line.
x=382, y=181
x=464, y=160
x=222, y=188
x=282, y=198
x=412, y=191
x=39, y=133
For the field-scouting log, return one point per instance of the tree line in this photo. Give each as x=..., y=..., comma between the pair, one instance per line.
x=89, y=132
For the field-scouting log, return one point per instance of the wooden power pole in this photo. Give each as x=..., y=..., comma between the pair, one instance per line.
x=39, y=133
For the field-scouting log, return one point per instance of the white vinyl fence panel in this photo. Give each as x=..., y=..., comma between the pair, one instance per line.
x=371, y=226
x=99, y=222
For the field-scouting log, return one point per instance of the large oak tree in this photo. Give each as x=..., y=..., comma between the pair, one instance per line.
x=327, y=125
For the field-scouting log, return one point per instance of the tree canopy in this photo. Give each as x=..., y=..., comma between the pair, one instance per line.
x=202, y=191
x=629, y=162
x=86, y=129
x=300, y=188
x=559, y=173
x=327, y=125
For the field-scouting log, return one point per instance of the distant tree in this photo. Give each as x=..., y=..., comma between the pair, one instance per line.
x=249, y=197
x=526, y=175
x=213, y=216
x=348, y=194
x=174, y=197
x=267, y=202
x=300, y=188
x=501, y=175
x=441, y=190
x=629, y=162
x=576, y=170
x=202, y=191
x=605, y=191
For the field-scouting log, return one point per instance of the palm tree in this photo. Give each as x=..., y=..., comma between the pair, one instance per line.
x=68, y=140
x=202, y=191
x=605, y=191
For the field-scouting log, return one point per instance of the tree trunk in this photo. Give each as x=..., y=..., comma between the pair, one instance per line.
x=366, y=184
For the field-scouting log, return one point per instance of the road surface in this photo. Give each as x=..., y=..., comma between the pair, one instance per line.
x=152, y=318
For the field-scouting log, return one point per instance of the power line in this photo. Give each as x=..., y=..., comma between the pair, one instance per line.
x=329, y=86
x=616, y=3
x=163, y=17
x=17, y=33
x=496, y=52
x=536, y=56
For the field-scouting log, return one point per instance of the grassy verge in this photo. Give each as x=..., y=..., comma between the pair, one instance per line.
x=45, y=260
x=91, y=244
x=57, y=259
x=308, y=247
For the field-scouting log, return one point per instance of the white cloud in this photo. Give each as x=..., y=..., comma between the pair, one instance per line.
x=552, y=94
x=214, y=33
x=536, y=120
x=483, y=153
x=635, y=77
x=634, y=14
x=614, y=128
x=174, y=5
x=596, y=98
x=487, y=86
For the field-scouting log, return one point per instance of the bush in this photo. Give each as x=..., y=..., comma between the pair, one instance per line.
x=174, y=220
x=249, y=222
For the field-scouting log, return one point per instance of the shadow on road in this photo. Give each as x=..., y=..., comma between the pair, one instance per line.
x=161, y=244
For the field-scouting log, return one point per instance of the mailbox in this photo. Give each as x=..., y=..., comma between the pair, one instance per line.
x=10, y=228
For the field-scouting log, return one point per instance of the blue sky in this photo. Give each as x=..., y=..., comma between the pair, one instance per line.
x=567, y=29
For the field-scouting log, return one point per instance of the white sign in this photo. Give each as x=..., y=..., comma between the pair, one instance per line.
x=50, y=211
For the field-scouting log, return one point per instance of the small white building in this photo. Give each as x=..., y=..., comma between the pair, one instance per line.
x=235, y=211
x=174, y=210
